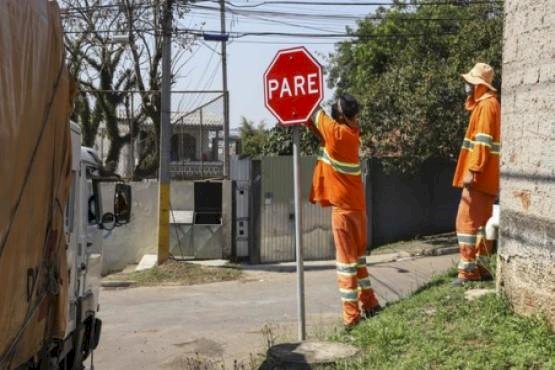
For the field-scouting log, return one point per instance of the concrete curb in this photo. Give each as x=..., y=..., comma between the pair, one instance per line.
x=403, y=256
x=117, y=283
x=371, y=260
x=444, y=251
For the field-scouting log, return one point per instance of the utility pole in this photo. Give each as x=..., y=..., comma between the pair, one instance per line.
x=165, y=137
x=226, y=92
x=131, y=119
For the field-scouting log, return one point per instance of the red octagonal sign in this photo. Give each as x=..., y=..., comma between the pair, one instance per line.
x=293, y=86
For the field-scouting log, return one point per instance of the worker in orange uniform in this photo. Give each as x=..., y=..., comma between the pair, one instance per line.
x=337, y=182
x=477, y=173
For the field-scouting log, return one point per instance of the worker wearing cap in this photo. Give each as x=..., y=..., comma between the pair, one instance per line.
x=477, y=173
x=337, y=182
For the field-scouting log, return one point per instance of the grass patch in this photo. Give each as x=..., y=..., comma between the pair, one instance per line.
x=178, y=273
x=437, y=328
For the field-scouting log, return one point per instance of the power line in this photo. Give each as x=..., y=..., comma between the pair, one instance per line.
x=291, y=24
x=200, y=81
x=364, y=3
x=321, y=16
x=238, y=35
x=281, y=42
x=280, y=13
x=231, y=5
x=145, y=30
x=79, y=9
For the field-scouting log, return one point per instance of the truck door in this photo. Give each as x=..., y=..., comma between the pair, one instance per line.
x=90, y=239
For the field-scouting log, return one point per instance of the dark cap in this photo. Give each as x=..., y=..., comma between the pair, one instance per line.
x=348, y=105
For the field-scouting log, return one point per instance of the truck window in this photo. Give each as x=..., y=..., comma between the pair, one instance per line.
x=94, y=208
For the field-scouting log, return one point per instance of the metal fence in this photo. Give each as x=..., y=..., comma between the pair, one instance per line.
x=399, y=207
x=197, y=141
x=129, y=139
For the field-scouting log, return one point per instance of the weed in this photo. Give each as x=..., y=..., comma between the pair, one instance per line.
x=178, y=273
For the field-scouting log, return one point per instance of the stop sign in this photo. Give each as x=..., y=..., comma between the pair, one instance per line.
x=293, y=86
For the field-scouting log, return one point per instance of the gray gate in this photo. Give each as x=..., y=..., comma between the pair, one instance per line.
x=277, y=216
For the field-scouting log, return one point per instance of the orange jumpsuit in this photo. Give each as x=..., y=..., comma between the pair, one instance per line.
x=479, y=154
x=337, y=182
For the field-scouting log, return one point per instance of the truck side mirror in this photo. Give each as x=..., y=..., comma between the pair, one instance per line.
x=122, y=204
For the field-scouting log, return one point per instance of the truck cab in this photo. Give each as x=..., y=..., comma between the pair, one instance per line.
x=85, y=223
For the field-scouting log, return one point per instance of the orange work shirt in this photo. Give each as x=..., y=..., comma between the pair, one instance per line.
x=337, y=179
x=482, y=143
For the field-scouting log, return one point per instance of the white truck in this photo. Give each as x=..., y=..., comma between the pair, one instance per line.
x=84, y=224
x=51, y=217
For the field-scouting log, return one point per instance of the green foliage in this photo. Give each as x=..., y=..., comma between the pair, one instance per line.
x=409, y=85
x=256, y=141
x=253, y=138
x=280, y=142
x=438, y=329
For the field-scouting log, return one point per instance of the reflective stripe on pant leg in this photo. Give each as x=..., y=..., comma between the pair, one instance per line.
x=367, y=296
x=346, y=260
x=347, y=280
x=475, y=209
x=349, y=298
x=362, y=274
x=467, y=266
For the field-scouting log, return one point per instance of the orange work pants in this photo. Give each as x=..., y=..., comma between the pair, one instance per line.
x=349, y=233
x=475, y=209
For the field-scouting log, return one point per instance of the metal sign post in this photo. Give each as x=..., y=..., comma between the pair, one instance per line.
x=293, y=88
x=299, y=233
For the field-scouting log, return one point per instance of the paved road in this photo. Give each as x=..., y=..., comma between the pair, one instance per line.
x=163, y=328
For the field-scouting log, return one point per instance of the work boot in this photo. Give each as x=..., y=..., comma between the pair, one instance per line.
x=486, y=277
x=349, y=327
x=372, y=312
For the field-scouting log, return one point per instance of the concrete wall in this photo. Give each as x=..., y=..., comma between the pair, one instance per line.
x=127, y=244
x=526, y=268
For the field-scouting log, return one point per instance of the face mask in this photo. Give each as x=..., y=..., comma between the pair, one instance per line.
x=468, y=89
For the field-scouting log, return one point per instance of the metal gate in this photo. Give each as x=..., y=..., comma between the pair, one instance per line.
x=276, y=240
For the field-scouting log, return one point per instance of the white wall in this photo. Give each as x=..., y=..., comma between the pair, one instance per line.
x=127, y=244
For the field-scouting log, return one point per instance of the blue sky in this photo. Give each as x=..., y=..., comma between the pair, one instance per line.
x=248, y=57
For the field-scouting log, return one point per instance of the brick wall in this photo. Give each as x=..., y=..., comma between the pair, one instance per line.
x=526, y=269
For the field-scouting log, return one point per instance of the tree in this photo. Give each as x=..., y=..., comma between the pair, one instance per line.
x=280, y=142
x=257, y=141
x=107, y=68
x=253, y=138
x=405, y=69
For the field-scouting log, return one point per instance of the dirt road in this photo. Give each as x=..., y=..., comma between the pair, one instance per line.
x=164, y=328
